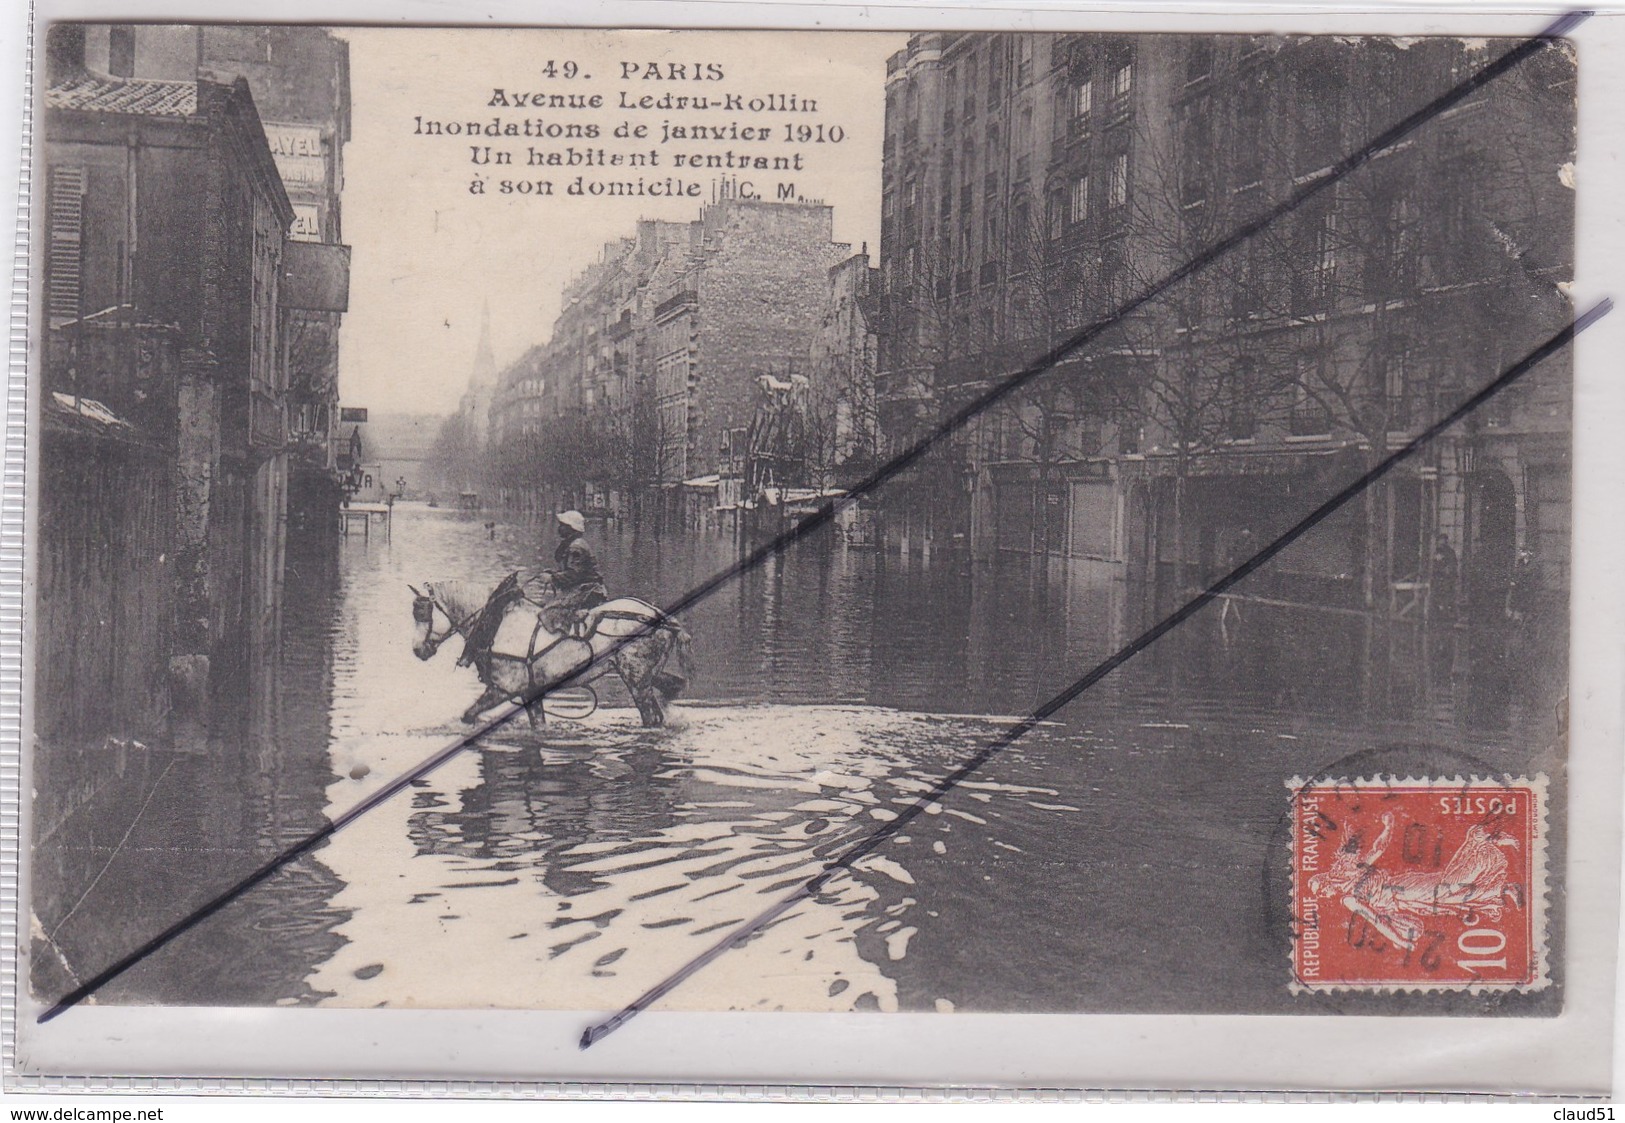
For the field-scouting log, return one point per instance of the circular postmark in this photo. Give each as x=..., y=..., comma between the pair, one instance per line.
x=1410, y=877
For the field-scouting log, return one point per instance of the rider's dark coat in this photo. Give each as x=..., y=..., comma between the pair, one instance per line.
x=577, y=586
x=577, y=566
x=577, y=582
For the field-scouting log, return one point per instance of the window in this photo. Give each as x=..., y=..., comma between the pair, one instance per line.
x=1112, y=270
x=1122, y=82
x=1314, y=262
x=1117, y=187
x=1078, y=204
x=64, y=260
x=1309, y=417
x=1082, y=105
x=1251, y=129
x=1128, y=437
x=1024, y=60
x=1390, y=268
x=1241, y=406
x=1405, y=404
x=1319, y=111
x=1325, y=263
x=1056, y=209
x=1246, y=291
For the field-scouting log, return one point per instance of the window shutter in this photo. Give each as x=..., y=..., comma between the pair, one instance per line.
x=65, y=208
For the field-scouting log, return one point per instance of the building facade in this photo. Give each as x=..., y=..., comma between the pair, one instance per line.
x=842, y=360
x=164, y=390
x=299, y=78
x=648, y=383
x=1034, y=183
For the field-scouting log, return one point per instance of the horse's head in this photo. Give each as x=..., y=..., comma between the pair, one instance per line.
x=426, y=613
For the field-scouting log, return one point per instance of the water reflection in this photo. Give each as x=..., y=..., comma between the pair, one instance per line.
x=573, y=868
x=151, y=834
x=1117, y=861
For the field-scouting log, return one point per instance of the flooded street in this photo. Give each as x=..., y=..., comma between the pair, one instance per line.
x=575, y=866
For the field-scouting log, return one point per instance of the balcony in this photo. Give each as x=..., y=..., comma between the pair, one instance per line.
x=677, y=304
x=996, y=362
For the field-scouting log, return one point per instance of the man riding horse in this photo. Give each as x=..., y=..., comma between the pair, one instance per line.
x=565, y=594
x=576, y=586
x=556, y=629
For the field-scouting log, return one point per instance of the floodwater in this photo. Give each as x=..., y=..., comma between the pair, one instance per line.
x=1127, y=856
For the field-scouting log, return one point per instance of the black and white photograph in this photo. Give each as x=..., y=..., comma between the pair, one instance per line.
x=961, y=522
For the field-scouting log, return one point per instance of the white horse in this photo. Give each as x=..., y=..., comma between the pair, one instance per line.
x=630, y=637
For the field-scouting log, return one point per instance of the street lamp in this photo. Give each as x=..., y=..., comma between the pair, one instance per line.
x=351, y=483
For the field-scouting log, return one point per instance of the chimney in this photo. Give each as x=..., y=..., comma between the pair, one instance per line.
x=64, y=52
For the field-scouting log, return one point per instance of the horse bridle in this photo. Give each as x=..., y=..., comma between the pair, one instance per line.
x=423, y=610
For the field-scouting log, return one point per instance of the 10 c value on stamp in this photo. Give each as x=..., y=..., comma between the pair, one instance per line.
x=1407, y=884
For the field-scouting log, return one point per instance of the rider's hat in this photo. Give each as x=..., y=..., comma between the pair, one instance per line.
x=574, y=521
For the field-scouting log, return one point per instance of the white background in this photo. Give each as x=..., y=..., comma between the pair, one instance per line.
x=213, y=1047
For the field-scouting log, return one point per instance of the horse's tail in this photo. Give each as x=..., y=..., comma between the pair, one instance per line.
x=668, y=680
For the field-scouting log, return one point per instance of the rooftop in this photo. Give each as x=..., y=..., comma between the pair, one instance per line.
x=144, y=96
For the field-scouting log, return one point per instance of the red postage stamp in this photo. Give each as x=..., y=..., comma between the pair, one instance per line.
x=1406, y=884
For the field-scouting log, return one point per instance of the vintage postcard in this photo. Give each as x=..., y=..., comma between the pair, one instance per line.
x=803, y=522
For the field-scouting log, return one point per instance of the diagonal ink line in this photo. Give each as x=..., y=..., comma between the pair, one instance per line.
x=886, y=472
x=868, y=843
